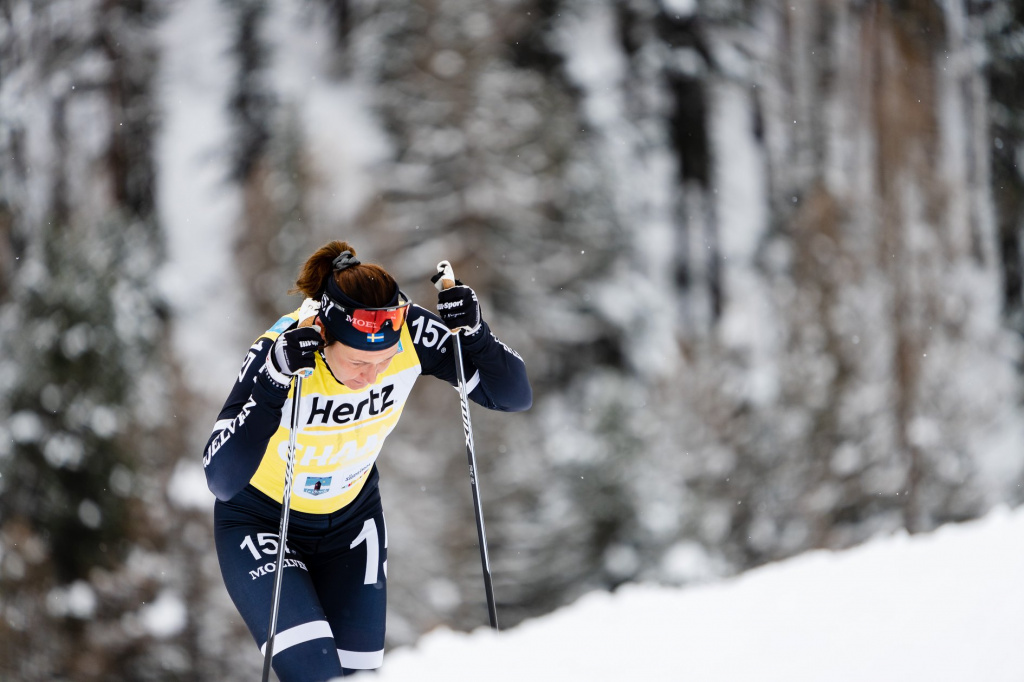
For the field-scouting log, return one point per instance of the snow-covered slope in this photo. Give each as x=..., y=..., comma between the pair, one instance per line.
x=943, y=607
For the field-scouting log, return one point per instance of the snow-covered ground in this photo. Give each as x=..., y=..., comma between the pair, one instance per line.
x=942, y=607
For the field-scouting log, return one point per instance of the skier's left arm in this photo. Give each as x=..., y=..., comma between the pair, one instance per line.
x=495, y=374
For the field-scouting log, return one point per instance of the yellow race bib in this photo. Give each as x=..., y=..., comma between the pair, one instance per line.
x=340, y=436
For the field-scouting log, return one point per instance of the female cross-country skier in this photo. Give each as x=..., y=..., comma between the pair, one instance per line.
x=366, y=345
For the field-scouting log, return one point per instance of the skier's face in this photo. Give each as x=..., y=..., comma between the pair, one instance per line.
x=358, y=368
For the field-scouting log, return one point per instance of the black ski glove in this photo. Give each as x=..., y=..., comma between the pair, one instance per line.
x=459, y=308
x=293, y=353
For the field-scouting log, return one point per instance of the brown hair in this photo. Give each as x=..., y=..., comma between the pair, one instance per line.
x=367, y=283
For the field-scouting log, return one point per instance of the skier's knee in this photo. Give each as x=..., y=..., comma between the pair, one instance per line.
x=315, y=659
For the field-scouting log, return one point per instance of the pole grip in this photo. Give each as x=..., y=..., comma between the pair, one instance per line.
x=447, y=279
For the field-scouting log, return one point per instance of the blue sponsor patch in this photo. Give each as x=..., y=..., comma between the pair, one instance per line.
x=281, y=325
x=317, y=485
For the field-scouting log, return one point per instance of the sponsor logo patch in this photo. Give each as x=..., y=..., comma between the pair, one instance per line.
x=375, y=403
x=317, y=485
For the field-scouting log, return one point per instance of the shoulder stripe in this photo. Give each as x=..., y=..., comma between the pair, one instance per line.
x=282, y=324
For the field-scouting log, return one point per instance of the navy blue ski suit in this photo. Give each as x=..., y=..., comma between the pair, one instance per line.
x=332, y=612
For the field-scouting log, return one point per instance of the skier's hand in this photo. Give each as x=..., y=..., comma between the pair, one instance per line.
x=294, y=353
x=456, y=303
x=459, y=308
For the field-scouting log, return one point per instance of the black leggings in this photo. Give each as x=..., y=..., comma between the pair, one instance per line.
x=334, y=591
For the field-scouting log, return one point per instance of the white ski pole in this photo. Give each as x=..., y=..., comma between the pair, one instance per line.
x=447, y=281
x=282, y=536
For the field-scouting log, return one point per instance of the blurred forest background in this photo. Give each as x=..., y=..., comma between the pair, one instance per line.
x=763, y=260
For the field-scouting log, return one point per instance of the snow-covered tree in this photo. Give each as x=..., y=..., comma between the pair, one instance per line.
x=90, y=570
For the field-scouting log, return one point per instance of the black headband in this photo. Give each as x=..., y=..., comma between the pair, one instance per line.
x=337, y=313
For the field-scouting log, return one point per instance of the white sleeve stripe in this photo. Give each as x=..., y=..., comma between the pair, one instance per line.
x=319, y=629
x=361, y=660
x=471, y=383
x=278, y=378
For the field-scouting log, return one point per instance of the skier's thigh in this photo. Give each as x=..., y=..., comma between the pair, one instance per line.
x=304, y=649
x=351, y=582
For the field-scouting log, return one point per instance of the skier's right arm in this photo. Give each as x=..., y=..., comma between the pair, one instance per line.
x=250, y=416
